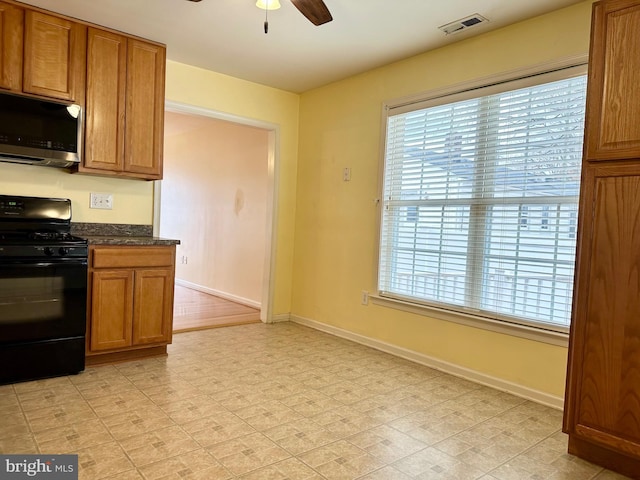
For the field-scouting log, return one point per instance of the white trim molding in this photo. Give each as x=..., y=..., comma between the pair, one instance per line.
x=273, y=182
x=494, y=79
x=551, y=337
x=435, y=363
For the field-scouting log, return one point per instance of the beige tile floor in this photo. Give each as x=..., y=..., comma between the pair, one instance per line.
x=277, y=402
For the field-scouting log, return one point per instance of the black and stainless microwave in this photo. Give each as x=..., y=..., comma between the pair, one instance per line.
x=39, y=132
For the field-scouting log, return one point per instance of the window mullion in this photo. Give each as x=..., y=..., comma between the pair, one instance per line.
x=483, y=184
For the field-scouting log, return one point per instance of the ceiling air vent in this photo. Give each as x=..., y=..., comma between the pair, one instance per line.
x=463, y=24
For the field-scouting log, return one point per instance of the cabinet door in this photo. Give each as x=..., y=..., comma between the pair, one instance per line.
x=145, y=109
x=11, y=32
x=612, y=126
x=153, y=306
x=54, y=57
x=604, y=363
x=105, y=103
x=111, y=309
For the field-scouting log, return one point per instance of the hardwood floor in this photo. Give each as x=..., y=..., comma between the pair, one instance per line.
x=194, y=310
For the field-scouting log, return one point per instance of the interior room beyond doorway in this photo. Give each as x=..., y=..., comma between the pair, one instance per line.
x=214, y=198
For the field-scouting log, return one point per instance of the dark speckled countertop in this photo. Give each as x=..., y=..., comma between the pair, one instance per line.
x=119, y=234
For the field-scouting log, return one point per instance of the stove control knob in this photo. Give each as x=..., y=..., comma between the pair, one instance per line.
x=63, y=251
x=48, y=251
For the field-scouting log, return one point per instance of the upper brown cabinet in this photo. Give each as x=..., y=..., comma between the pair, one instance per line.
x=117, y=78
x=125, y=79
x=41, y=54
x=613, y=129
x=145, y=108
x=11, y=35
x=105, y=102
x=54, y=57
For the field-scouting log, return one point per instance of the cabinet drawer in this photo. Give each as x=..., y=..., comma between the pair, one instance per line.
x=127, y=257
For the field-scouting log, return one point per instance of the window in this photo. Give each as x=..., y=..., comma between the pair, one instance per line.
x=480, y=200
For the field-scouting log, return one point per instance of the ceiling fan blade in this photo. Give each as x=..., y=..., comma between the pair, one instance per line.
x=315, y=10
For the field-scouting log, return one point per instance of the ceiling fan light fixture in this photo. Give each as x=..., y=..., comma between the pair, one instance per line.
x=268, y=4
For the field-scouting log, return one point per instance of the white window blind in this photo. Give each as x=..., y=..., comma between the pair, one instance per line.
x=480, y=203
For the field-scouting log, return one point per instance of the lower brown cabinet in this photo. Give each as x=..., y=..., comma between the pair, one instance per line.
x=130, y=301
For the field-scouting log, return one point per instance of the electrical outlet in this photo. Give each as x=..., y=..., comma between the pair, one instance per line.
x=346, y=174
x=364, y=299
x=103, y=201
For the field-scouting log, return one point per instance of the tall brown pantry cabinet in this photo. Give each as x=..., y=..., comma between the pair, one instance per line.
x=602, y=404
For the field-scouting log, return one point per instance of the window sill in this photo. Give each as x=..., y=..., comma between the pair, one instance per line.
x=530, y=333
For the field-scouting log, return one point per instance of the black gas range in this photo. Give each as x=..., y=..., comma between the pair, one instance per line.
x=43, y=289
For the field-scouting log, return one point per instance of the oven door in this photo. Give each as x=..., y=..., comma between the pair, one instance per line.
x=42, y=300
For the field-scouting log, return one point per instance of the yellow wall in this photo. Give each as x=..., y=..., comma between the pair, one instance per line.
x=336, y=221
x=195, y=86
x=132, y=199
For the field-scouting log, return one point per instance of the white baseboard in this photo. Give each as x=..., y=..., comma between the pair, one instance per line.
x=432, y=362
x=217, y=293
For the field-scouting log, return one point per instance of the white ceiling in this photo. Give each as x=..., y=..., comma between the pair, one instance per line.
x=227, y=36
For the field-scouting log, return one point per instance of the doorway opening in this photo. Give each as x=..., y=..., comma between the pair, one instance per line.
x=218, y=198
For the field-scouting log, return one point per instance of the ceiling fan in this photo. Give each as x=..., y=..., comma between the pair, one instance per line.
x=315, y=10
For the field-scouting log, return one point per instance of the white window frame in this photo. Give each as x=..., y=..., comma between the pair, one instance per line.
x=519, y=78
